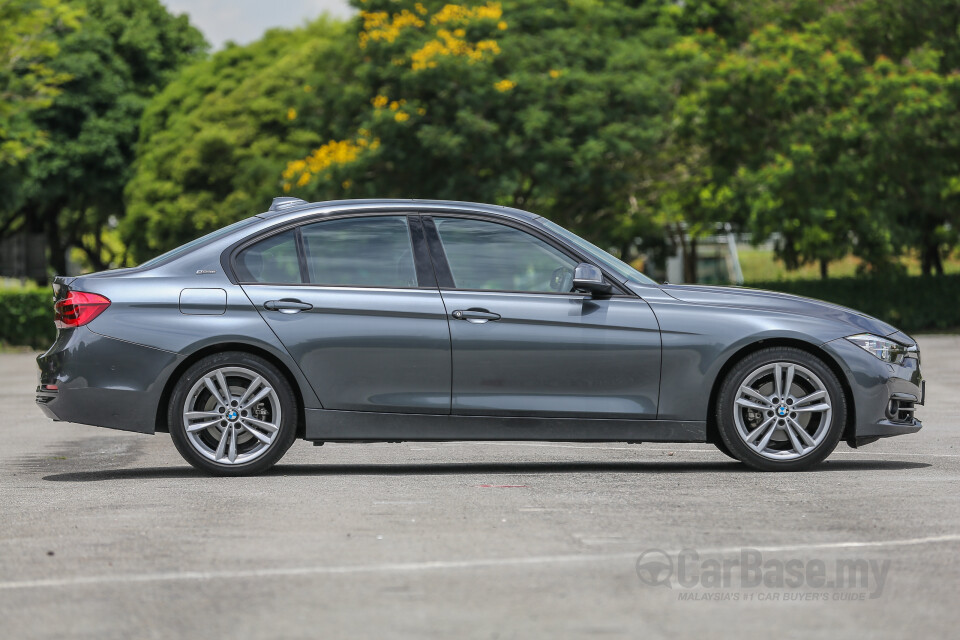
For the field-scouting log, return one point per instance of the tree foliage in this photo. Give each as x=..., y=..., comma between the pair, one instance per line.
x=71, y=189
x=27, y=82
x=807, y=138
x=214, y=142
x=831, y=126
x=541, y=104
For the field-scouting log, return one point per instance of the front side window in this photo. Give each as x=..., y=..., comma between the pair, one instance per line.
x=492, y=256
x=616, y=265
x=272, y=260
x=363, y=252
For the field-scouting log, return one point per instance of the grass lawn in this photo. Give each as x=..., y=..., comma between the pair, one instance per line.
x=759, y=265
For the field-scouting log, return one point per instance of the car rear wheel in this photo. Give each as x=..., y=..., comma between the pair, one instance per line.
x=781, y=409
x=232, y=414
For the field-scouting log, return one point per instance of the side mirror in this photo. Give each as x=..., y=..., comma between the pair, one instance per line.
x=590, y=279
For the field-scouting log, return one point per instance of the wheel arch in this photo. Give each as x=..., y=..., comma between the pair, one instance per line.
x=764, y=343
x=161, y=419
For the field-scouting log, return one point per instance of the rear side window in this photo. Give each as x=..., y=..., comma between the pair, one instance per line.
x=363, y=252
x=271, y=260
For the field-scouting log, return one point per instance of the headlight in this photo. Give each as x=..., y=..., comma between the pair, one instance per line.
x=886, y=350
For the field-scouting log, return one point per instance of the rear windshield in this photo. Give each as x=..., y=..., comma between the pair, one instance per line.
x=210, y=237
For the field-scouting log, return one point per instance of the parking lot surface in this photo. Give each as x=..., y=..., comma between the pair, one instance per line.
x=111, y=535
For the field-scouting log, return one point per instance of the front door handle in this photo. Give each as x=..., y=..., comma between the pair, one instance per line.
x=287, y=305
x=475, y=315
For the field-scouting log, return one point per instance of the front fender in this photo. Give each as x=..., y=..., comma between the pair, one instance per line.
x=700, y=341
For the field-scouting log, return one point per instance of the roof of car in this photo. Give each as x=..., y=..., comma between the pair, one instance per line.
x=291, y=210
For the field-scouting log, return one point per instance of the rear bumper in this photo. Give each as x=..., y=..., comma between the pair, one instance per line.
x=102, y=381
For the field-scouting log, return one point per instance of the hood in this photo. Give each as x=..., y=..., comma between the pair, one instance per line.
x=779, y=302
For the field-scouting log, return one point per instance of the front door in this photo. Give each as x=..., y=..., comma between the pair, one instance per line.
x=357, y=310
x=525, y=344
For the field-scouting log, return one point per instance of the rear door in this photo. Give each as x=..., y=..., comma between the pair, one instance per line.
x=525, y=344
x=355, y=302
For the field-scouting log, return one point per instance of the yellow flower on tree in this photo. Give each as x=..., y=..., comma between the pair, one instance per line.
x=291, y=114
x=332, y=154
x=401, y=116
x=452, y=41
x=488, y=45
x=490, y=11
x=554, y=73
x=380, y=26
x=504, y=85
x=458, y=13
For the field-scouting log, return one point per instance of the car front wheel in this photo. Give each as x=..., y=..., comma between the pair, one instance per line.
x=781, y=409
x=232, y=414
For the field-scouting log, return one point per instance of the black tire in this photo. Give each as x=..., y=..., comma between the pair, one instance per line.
x=283, y=439
x=724, y=450
x=726, y=408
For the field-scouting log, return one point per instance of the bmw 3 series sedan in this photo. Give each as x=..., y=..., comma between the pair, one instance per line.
x=409, y=320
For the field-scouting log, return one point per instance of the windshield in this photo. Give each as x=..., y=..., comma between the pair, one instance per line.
x=219, y=233
x=617, y=266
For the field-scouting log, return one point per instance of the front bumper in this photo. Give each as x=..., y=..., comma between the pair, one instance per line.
x=103, y=381
x=883, y=395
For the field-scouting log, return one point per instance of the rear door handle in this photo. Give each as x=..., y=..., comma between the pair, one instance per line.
x=475, y=315
x=287, y=305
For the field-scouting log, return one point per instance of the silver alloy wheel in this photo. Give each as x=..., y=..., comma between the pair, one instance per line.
x=231, y=415
x=782, y=411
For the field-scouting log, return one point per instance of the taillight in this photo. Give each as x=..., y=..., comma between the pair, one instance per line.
x=78, y=308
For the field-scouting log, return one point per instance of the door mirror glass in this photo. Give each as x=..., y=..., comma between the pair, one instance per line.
x=589, y=278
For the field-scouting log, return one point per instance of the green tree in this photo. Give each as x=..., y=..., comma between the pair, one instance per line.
x=774, y=115
x=71, y=190
x=895, y=28
x=214, y=142
x=910, y=143
x=543, y=104
x=807, y=139
x=685, y=187
x=27, y=82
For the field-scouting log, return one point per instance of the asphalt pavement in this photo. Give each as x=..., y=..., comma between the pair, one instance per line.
x=111, y=535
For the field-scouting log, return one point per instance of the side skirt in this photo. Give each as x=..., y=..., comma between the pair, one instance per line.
x=332, y=426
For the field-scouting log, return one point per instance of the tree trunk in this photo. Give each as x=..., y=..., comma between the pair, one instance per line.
x=50, y=220
x=824, y=269
x=95, y=253
x=930, y=260
x=690, y=262
x=58, y=253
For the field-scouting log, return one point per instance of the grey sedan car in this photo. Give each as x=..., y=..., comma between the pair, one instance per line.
x=400, y=320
